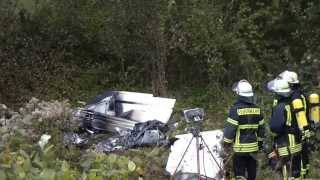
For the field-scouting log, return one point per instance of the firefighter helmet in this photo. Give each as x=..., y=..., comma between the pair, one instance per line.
x=243, y=88
x=280, y=87
x=290, y=76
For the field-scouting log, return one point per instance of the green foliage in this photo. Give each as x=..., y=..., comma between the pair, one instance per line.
x=34, y=163
x=74, y=49
x=78, y=48
x=20, y=160
x=111, y=166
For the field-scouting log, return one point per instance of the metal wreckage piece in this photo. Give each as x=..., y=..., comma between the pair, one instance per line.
x=136, y=119
x=151, y=133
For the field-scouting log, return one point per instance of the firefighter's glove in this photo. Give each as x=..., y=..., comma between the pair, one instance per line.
x=306, y=135
x=273, y=159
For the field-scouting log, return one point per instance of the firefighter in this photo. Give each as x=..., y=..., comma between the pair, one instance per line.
x=300, y=109
x=287, y=136
x=244, y=131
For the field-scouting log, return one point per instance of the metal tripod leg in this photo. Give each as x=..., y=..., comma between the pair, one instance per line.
x=215, y=160
x=198, y=156
x=184, y=153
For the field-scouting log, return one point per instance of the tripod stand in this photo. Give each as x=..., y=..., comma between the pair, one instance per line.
x=195, y=131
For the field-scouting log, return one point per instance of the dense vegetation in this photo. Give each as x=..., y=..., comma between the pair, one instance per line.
x=73, y=49
x=192, y=50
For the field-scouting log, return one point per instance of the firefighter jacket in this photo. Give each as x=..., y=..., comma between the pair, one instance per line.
x=298, y=95
x=244, y=127
x=284, y=126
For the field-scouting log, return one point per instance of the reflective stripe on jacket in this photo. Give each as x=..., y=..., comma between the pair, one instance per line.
x=284, y=126
x=244, y=126
x=298, y=94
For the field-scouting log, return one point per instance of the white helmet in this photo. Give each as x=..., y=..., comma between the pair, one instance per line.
x=243, y=88
x=279, y=86
x=290, y=76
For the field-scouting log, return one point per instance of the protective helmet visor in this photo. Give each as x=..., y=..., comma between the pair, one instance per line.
x=235, y=86
x=271, y=85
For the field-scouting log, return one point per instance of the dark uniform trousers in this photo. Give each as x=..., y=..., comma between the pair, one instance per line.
x=245, y=163
x=291, y=166
x=305, y=159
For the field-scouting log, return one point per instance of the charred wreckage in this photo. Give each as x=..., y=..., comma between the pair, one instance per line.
x=139, y=119
x=134, y=119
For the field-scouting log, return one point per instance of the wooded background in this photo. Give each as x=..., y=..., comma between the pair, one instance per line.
x=191, y=50
x=55, y=49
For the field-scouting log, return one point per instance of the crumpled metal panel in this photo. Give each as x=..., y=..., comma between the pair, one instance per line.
x=98, y=122
x=115, y=111
x=151, y=133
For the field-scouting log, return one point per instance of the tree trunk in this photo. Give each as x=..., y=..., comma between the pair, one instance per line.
x=159, y=82
x=158, y=53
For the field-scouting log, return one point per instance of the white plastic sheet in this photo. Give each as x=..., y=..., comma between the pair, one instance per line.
x=208, y=166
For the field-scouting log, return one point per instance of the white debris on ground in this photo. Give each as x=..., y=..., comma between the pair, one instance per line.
x=44, y=139
x=209, y=165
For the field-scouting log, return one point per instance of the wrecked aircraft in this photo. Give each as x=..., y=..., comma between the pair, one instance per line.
x=136, y=119
x=115, y=111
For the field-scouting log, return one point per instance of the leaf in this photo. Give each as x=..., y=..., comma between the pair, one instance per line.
x=65, y=166
x=24, y=154
x=66, y=175
x=93, y=176
x=112, y=158
x=154, y=152
x=2, y=175
x=86, y=164
x=22, y=174
x=45, y=151
x=131, y=166
x=20, y=161
x=36, y=162
x=47, y=174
